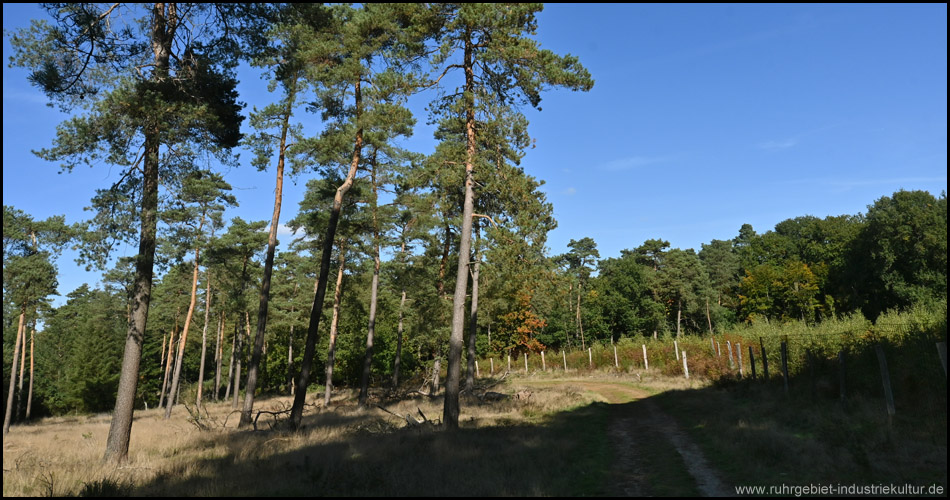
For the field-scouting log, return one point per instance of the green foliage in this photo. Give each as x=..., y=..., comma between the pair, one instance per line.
x=79, y=353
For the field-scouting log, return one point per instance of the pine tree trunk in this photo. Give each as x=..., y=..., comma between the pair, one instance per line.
x=303, y=381
x=450, y=413
x=396, y=361
x=176, y=377
x=679, y=315
x=290, y=349
x=18, y=415
x=371, y=328
x=253, y=367
x=163, y=27
x=218, y=356
x=227, y=390
x=334, y=321
x=29, y=397
x=7, y=417
x=204, y=342
x=580, y=324
x=168, y=362
x=473, y=319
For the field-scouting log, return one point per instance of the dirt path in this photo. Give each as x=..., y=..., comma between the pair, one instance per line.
x=631, y=452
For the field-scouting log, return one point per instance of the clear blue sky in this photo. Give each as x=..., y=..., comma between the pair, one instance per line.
x=702, y=118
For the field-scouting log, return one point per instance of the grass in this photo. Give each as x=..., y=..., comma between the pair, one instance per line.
x=558, y=440
x=504, y=448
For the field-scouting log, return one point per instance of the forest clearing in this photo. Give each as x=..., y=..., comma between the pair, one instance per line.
x=610, y=431
x=313, y=249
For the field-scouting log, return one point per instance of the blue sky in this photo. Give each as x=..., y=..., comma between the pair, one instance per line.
x=702, y=118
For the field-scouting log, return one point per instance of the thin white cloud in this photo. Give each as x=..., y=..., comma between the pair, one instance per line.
x=634, y=162
x=283, y=230
x=777, y=145
x=569, y=191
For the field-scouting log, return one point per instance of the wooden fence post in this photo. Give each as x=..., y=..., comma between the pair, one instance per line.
x=565, y=360
x=765, y=360
x=646, y=363
x=544, y=366
x=732, y=364
x=525, y=363
x=712, y=344
x=718, y=350
x=476, y=369
x=590, y=358
x=616, y=362
x=685, y=368
x=492, y=360
x=676, y=350
x=752, y=361
x=509, y=363
x=739, y=354
x=886, y=379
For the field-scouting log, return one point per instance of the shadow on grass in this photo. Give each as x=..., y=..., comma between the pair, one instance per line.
x=508, y=460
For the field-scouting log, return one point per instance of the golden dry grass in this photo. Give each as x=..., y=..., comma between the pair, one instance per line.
x=62, y=456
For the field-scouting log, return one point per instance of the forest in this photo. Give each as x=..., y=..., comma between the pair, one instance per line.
x=404, y=263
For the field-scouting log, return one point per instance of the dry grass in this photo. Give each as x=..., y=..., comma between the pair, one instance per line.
x=341, y=450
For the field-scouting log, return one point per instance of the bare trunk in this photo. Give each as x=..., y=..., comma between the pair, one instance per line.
x=218, y=356
x=396, y=361
x=473, y=319
x=450, y=412
x=708, y=318
x=204, y=341
x=290, y=349
x=371, y=328
x=679, y=315
x=444, y=262
x=331, y=353
x=8, y=416
x=252, y=368
x=296, y=411
x=176, y=377
x=29, y=397
x=227, y=390
x=18, y=415
x=580, y=324
x=164, y=24
x=168, y=362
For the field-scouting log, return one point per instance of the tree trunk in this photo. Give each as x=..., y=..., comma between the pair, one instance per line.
x=443, y=263
x=29, y=397
x=371, y=328
x=450, y=412
x=679, y=315
x=708, y=318
x=290, y=349
x=218, y=356
x=163, y=26
x=176, y=377
x=168, y=362
x=204, y=342
x=7, y=417
x=580, y=324
x=227, y=390
x=396, y=361
x=252, y=368
x=473, y=319
x=296, y=411
x=331, y=353
x=18, y=415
